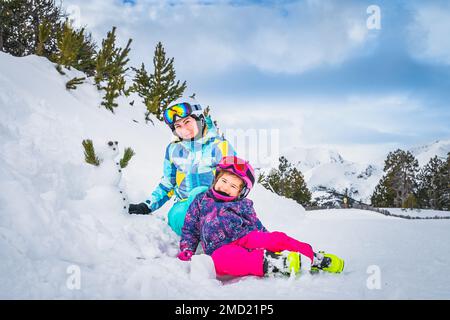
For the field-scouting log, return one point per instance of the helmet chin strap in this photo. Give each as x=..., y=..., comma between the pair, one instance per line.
x=200, y=125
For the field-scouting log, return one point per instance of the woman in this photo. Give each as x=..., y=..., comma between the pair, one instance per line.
x=189, y=164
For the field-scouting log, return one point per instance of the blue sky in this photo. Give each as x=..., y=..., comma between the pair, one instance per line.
x=314, y=61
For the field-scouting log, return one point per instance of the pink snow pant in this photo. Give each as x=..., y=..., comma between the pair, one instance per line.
x=245, y=256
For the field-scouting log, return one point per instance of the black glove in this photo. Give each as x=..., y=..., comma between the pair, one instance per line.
x=140, y=208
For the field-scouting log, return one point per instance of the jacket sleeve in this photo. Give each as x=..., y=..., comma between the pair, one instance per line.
x=249, y=214
x=165, y=189
x=190, y=233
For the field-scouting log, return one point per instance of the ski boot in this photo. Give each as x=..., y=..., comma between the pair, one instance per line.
x=283, y=263
x=327, y=262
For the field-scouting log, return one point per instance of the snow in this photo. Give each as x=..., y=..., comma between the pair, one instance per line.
x=323, y=167
x=424, y=153
x=63, y=234
x=308, y=158
x=419, y=213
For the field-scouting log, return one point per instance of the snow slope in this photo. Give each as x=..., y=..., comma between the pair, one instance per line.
x=56, y=216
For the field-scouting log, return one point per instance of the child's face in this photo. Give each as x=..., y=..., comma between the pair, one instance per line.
x=186, y=128
x=230, y=184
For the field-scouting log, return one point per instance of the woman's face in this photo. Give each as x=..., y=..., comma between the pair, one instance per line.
x=230, y=184
x=186, y=128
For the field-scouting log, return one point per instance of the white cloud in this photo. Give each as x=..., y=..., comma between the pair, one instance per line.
x=290, y=38
x=429, y=33
x=362, y=127
x=357, y=33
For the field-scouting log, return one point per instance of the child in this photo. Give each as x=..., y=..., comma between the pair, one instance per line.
x=225, y=223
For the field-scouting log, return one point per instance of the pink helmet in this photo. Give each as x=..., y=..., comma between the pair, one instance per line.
x=242, y=169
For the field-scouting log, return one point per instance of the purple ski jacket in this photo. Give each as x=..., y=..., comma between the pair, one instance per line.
x=215, y=223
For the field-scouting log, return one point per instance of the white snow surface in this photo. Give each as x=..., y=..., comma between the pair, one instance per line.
x=424, y=153
x=61, y=220
x=419, y=213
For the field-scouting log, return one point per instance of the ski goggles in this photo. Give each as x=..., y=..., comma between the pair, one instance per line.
x=180, y=110
x=238, y=167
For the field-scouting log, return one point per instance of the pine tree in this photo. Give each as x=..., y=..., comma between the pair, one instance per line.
x=261, y=178
x=69, y=44
x=398, y=187
x=45, y=30
x=20, y=22
x=443, y=185
x=160, y=88
x=110, y=69
x=74, y=49
x=276, y=178
x=89, y=153
x=72, y=84
x=384, y=195
x=46, y=11
x=429, y=180
x=112, y=92
x=104, y=59
x=401, y=169
x=127, y=155
x=272, y=181
x=86, y=54
x=15, y=32
x=287, y=181
x=298, y=189
x=441, y=199
x=283, y=169
x=141, y=85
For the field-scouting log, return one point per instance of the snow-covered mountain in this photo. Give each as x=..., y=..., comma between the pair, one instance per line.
x=424, y=153
x=63, y=233
x=325, y=171
x=310, y=158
